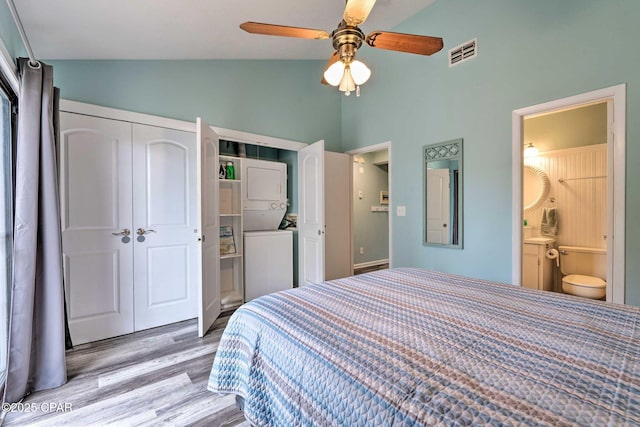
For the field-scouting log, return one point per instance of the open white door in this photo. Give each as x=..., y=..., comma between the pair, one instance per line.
x=311, y=214
x=208, y=226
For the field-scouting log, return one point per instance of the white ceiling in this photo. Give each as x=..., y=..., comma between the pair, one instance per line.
x=189, y=29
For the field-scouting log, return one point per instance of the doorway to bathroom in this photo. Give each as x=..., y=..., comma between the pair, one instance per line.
x=568, y=167
x=371, y=192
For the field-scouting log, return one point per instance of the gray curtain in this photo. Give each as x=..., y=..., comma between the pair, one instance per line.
x=37, y=320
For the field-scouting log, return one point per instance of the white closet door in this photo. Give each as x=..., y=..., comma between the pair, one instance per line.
x=164, y=221
x=95, y=192
x=311, y=214
x=209, y=226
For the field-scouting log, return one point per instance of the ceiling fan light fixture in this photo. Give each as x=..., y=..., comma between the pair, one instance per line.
x=360, y=72
x=333, y=74
x=342, y=69
x=348, y=77
x=347, y=84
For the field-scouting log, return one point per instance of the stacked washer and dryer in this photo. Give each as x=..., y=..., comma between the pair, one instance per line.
x=268, y=251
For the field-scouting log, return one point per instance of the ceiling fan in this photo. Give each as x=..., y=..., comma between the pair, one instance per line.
x=343, y=70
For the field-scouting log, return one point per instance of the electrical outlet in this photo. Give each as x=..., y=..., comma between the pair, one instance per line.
x=401, y=211
x=361, y=250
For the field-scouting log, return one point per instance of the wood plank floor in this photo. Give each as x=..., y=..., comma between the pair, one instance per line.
x=153, y=377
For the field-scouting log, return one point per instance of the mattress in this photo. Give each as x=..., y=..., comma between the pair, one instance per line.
x=415, y=347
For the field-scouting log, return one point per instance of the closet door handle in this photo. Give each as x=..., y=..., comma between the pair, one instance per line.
x=142, y=231
x=124, y=232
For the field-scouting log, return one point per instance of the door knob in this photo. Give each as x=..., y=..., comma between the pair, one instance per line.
x=142, y=231
x=124, y=232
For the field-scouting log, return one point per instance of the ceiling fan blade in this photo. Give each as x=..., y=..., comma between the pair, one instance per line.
x=357, y=11
x=283, y=30
x=410, y=43
x=334, y=58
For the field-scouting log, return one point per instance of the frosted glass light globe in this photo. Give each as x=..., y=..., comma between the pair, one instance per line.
x=334, y=73
x=360, y=72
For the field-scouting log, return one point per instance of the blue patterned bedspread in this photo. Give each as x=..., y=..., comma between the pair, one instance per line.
x=406, y=347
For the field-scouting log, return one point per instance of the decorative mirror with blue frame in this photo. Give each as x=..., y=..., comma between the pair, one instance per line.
x=443, y=194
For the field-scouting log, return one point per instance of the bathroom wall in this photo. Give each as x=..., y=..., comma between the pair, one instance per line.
x=576, y=127
x=581, y=200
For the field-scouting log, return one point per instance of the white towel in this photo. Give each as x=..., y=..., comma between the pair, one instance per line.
x=549, y=222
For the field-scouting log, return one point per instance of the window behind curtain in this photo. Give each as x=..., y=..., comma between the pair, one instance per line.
x=8, y=103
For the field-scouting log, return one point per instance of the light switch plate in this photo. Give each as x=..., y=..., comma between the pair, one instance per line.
x=401, y=211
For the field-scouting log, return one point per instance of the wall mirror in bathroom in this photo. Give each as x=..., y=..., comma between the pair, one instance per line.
x=536, y=187
x=443, y=194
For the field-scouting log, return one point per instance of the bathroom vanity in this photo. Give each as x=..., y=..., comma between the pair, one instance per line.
x=537, y=270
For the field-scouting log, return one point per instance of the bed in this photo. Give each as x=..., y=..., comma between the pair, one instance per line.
x=414, y=347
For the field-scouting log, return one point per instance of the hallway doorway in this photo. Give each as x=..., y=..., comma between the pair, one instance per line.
x=370, y=208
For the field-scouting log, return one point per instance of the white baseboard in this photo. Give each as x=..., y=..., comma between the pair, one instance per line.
x=370, y=263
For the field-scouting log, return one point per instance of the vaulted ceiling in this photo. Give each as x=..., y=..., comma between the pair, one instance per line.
x=189, y=29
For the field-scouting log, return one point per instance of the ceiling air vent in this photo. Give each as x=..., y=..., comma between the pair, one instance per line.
x=463, y=52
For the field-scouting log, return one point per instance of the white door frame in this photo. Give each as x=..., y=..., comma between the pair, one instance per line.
x=370, y=149
x=615, y=181
x=147, y=119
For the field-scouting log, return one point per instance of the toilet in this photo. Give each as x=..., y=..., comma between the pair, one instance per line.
x=583, y=271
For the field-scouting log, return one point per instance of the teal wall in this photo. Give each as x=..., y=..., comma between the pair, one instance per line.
x=282, y=99
x=291, y=159
x=370, y=229
x=9, y=33
x=529, y=52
